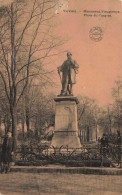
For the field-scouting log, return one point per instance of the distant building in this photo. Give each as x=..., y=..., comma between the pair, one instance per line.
x=90, y=134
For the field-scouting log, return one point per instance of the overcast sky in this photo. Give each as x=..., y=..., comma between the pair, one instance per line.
x=100, y=62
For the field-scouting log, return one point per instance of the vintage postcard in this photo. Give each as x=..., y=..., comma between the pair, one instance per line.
x=60, y=97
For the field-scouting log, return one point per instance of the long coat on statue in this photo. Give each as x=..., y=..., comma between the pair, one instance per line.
x=69, y=70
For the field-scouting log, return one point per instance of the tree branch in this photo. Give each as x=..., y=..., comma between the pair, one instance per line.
x=5, y=85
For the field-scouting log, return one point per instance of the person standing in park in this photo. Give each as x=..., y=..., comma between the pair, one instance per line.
x=8, y=148
x=69, y=70
x=119, y=147
x=104, y=145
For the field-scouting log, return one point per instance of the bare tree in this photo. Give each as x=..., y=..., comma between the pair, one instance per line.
x=117, y=106
x=87, y=118
x=110, y=118
x=25, y=35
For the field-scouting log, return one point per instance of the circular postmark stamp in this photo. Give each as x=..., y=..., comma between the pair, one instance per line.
x=96, y=33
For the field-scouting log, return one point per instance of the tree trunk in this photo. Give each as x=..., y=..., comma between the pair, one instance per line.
x=80, y=135
x=27, y=120
x=0, y=125
x=87, y=134
x=4, y=121
x=23, y=128
x=96, y=132
x=36, y=128
x=14, y=124
x=27, y=110
x=7, y=124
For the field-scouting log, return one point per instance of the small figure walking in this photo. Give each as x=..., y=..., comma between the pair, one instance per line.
x=7, y=153
x=119, y=147
x=103, y=147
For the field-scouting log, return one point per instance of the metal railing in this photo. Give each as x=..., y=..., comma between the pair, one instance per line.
x=81, y=156
x=86, y=156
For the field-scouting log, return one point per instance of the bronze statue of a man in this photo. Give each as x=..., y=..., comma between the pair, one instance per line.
x=69, y=70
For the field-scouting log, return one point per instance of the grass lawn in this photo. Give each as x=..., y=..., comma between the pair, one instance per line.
x=59, y=184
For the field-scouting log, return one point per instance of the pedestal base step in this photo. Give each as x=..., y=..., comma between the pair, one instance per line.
x=64, y=139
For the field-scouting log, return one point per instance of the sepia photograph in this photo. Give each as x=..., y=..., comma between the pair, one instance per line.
x=60, y=97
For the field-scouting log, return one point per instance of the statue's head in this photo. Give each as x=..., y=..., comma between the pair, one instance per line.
x=69, y=55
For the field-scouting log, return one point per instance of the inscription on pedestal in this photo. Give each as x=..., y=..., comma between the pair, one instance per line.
x=66, y=114
x=66, y=129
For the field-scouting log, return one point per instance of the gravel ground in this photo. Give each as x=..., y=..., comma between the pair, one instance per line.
x=59, y=184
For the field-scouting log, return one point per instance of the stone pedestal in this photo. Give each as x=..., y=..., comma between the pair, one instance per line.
x=66, y=127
